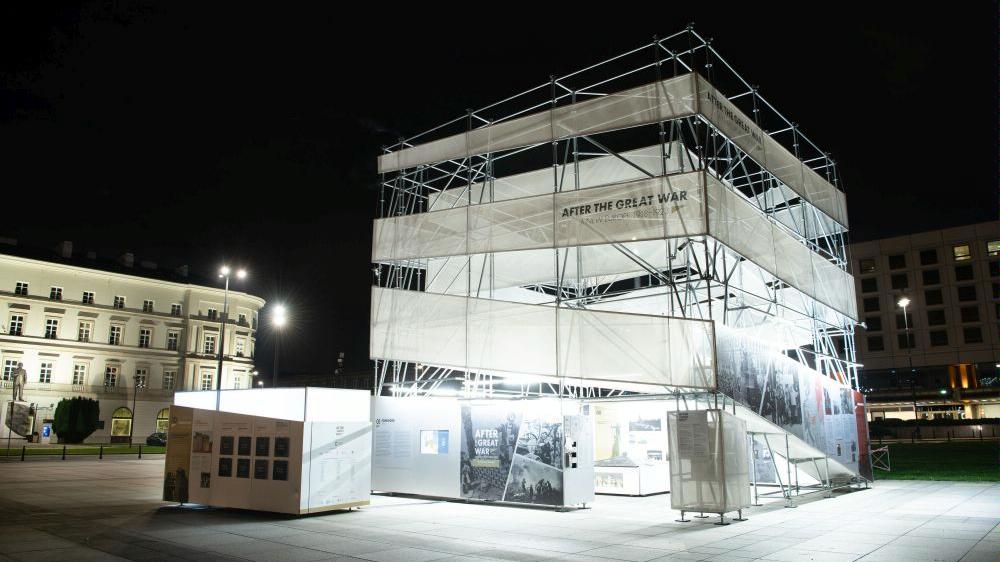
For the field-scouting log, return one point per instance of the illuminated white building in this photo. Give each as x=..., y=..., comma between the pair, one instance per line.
x=87, y=329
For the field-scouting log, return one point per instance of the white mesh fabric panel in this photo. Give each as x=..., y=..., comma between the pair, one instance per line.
x=498, y=336
x=518, y=224
x=428, y=328
x=512, y=337
x=645, y=104
x=652, y=208
x=635, y=348
x=735, y=223
x=794, y=261
x=421, y=235
x=736, y=463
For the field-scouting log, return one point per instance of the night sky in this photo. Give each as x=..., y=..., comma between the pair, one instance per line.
x=197, y=133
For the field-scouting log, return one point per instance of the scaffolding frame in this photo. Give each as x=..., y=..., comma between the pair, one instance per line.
x=697, y=286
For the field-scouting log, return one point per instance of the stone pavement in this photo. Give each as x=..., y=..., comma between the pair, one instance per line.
x=85, y=509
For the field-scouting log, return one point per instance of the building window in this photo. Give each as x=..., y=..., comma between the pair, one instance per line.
x=897, y=261
x=900, y=281
x=145, y=334
x=83, y=334
x=88, y=297
x=939, y=338
x=111, y=376
x=961, y=252
x=870, y=304
x=16, y=327
x=242, y=319
x=163, y=420
x=963, y=272
x=213, y=314
x=935, y=317
x=993, y=248
x=240, y=345
x=209, y=348
x=869, y=285
x=55, y=293
x=141, y=377
x=928, y=257
x=970, y=314
x=206, y=380
x=175, y=309
x=967, y=293
x=866, y=265
x=237, y=380
x=933, y=296
x=906, y=340
x=51, y=328
x=994, y=268
x=172, y=338
x=9, y=366
x=873, y=323
x=45, y=372
x=875, y=343
x=972, y=334
x=80, y=374
x=121, y=422
x=115, y=335
x=168, y=379
x=902, y=320
x=147, y=306
x=931, y=276
x=119, y=302
x=254, y=325
x=21, y=288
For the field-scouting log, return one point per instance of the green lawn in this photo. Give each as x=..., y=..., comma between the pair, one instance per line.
x=971, y=461
x=83, y=450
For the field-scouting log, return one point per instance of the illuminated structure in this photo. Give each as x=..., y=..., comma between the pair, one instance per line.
x=646, y=227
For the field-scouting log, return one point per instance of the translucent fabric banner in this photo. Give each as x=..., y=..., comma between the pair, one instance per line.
x=769, y=153
x=507, y=337
x=709, y=461
x=650, y=103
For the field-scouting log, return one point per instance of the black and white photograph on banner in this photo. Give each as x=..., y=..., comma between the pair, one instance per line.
x=489, y=436
x=761, y=461
x=532, y=481
x=541, y=441
x=645, y=424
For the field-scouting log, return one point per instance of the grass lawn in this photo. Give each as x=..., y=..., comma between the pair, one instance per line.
x=83, y=450
x=970, y=461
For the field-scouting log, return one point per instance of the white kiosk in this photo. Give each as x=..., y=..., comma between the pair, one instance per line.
x=311, y=451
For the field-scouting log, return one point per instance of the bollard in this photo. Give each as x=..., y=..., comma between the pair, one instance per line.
x=140, y=450
x=949, y=436
x=22, y=452
x=100, y=455
x=980, y=435
x=64, y=452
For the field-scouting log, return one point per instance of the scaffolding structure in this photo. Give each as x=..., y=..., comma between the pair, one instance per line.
x=506, y=151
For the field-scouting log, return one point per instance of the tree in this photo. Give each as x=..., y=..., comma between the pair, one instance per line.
x=76, y=418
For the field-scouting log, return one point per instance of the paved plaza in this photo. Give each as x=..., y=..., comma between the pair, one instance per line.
x=110, y=510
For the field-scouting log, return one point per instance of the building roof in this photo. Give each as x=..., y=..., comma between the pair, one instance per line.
x=124, y=264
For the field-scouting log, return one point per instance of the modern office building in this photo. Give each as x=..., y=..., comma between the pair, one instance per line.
x=116, y=331
x=941, y=358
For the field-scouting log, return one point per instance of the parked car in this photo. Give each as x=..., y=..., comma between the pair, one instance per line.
x=159, y=438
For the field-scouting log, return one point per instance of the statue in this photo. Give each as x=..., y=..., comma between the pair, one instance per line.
x=20, y=377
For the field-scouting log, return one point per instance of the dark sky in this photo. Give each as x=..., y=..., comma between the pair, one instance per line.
x=201, y=132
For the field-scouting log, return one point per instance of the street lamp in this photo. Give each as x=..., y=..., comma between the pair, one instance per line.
x=137, y=383
x=278, y=320
x=903, y=303
x=224, y=273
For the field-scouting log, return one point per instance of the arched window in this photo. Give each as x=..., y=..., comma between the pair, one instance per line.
x=163, y=420
x=121, y=423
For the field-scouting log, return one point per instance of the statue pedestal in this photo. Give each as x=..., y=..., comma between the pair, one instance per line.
x=19, y=418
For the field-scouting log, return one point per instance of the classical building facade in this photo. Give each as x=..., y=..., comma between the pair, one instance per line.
x=941, y=358
x=122, y=336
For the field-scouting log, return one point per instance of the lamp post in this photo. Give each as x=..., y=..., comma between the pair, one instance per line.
x=135, y=391
x=224, y=272
x=904, y=303
x=278, y=320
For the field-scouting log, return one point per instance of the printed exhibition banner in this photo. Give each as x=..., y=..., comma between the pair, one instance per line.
x=177, y=464
x=510, y=456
